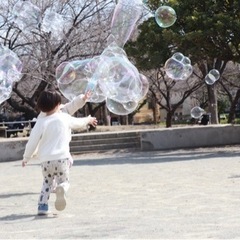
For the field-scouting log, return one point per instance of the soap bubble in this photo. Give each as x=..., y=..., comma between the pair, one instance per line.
x=26, y=15
x=75, y=77
x=178, y=56
x=145, y=85
x=178, y=67
x=97, y=95
x=197, y=112
x=121, y=83
x=125, y=16
x=9, y=61
x=113, y=50
x=119, y=79
x=212, y=76
x=165, y=16
x=215, y=73
x=120, y=108
x=10, y=66
x=10, y=72
x=5, y=92
x=54, y=23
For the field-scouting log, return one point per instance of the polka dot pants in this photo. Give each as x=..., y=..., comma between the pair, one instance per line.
x=58, y=170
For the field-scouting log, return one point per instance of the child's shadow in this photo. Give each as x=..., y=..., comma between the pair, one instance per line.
x=25, y=217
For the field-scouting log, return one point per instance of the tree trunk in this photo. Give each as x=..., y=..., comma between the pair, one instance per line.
x=169, y=120
x=126, y=120
x=232, y=112
x=107, y=118
x=154, y=111
x=212, y=97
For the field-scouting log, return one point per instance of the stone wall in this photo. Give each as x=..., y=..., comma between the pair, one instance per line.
x=190, y=137
x=12, y=149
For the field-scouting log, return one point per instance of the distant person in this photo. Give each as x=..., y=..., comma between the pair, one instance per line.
x=50, y=139
x=204, y=119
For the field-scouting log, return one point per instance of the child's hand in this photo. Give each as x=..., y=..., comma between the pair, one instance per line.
x=92, y=121
x=87, y=95
x=24, y=163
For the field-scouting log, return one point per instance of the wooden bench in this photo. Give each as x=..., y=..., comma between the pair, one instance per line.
x=13, y=128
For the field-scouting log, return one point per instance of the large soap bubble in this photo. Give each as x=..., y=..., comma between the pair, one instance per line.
x=125, y=16
x=5, y=92
x=121, y=108
x=97, y=95
x=10, y=65
x=178, y=67
x=165, y=16
x=119, y=79
x=54, y=23
x=66, y=72
x=75, y=77
x=212, y=76
x=26, y=15
x=145, y=85
x=10, y=72
x=197, y=112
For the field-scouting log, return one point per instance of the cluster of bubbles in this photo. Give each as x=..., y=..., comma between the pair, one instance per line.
x=212, y=76
x=28, y=17
x=178, y=67
x=210, y=79
x=10, y=72
x=110, y=76
x=197, y=112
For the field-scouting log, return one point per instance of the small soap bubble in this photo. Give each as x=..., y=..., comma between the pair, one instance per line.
x=215, y=73
x=212, y=77
x=165, y=16
x=178, y=67
x=197, y=112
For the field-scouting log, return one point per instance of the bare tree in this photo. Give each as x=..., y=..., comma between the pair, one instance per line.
x=230, y=87
x=41, y=53
x=163, y=89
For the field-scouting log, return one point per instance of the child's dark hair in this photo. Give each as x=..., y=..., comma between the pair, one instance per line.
x=48, y=100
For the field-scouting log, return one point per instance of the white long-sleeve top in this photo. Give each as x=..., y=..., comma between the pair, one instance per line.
x=51, y=136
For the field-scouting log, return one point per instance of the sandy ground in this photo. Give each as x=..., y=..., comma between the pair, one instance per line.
x=183, y=194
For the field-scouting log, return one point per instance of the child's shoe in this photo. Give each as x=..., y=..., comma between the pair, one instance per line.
x=43, y=209
x=60, y=202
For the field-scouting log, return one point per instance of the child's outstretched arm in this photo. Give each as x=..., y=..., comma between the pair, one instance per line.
x=81, y=123
x=76, y=103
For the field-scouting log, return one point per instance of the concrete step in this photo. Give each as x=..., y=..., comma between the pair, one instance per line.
x=101, y=135
x=102, y=141
x=91, y=142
